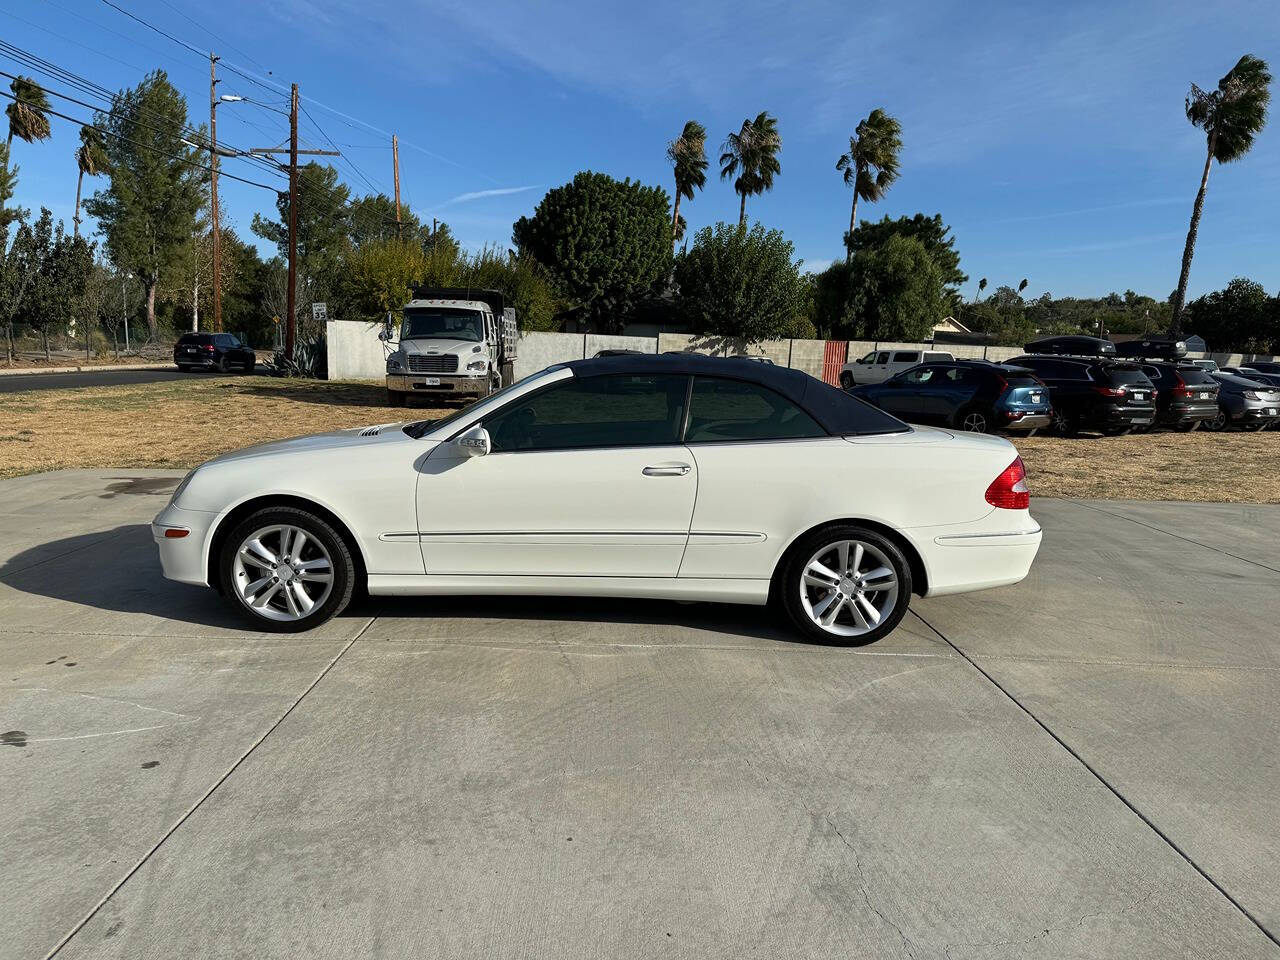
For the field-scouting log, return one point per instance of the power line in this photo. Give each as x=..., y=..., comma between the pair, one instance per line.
x=145, y=146
x=92, y=89
x=200, y=26
x=350, y=162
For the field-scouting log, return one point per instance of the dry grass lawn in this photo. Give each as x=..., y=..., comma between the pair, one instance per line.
x=182, y=423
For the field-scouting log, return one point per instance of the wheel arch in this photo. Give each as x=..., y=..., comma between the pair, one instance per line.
x=241, y=510
x=919, y=573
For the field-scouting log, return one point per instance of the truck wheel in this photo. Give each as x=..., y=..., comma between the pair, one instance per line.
x=846, y=380
x=395, y=398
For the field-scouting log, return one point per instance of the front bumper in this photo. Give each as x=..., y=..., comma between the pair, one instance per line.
x=184, y=555
x=469, y=386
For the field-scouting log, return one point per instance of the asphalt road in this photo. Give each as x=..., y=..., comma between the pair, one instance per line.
x=13, y=383
x=1083, y=765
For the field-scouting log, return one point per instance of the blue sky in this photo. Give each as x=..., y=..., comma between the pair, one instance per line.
x=1049, y=136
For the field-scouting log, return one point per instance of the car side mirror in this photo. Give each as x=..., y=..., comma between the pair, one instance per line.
x=474, y=442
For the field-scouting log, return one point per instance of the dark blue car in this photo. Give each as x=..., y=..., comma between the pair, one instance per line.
x=965, y=394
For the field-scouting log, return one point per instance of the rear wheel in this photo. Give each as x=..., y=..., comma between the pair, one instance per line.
x=1064, y=424
x=974, y=420
x=845, y=584
x=287, y=570
x=846, y=380
x=1220, y=422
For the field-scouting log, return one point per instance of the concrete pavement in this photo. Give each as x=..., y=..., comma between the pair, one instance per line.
x=1079, y=766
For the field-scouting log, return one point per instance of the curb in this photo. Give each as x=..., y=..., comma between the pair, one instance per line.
x=36, y=371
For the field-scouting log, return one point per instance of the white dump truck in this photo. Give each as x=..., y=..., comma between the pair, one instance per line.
x=453, y=342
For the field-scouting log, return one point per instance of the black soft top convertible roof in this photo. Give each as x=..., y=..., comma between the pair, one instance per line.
x=836, y=411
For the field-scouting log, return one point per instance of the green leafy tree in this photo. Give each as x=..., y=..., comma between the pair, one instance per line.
x=373, y=217
x=688, y=156
x=27, y=121
x=893, y=291
x=58, y=283
x=606, y=243
x=930, y=231
x=1231, y=117
x=735, y=282
x=1239, y=317
x=380, y=276
x=871, y=165
x=20, y=264
x=91, y=159
x=8, y=186
x=244, y=308
x=440, y=246
x=148, y=213
x=323, y=232
x=750, y=156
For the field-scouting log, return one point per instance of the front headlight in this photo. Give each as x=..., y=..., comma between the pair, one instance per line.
x=393, y=364
x=477, y=364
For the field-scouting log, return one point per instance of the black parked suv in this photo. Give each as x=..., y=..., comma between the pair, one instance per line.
x=1094, y=393
x=1187, y=395
x=213, y=351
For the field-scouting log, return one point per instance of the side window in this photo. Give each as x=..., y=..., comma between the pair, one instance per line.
x=959, y=374
x=910, y=356
x=726, y=410
x=919, y=375
x=869, y=358
x=882, y=357
x=609, y=411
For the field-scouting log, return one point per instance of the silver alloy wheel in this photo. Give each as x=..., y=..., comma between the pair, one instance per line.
x=975, y=422
x=281, y=572
x=848, y=588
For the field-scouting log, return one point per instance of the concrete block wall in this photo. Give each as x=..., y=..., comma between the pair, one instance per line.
x=355, y=352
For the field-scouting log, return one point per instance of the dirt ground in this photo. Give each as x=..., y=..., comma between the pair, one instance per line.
x=182, y=423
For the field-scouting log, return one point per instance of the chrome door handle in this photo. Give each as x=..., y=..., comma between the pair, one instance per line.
x=667, y=470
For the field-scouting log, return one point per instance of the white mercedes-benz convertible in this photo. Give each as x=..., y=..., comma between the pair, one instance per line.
x=674, y=476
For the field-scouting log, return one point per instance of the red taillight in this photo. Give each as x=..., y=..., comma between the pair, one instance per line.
x=208, y=348
x=1110, y=391
x=1181, y=389
x=1009, y=491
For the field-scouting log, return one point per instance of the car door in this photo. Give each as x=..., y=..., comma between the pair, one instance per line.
x=758, y=457
x=941, y=394
x=900, y=394
x=879, y=367
x=586, y=478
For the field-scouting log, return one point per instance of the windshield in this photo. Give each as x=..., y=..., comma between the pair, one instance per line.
x=443, y=323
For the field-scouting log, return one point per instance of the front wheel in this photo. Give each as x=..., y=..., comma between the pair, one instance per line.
x=846, y=380
x=286, y=570
x=845, y=584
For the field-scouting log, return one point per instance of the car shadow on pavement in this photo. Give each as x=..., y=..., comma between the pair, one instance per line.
x=119, y=570
x=326, y=394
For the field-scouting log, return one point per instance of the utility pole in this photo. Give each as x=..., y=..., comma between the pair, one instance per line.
x=293, y=151
x=395, y=162
x=213, y=196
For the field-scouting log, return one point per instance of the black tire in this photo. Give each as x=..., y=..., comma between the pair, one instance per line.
x=846, y=380
x=220, y=365
x=249, y=367
x=975, y=420
x=1064, y=425
x=1220, y=422
x=1188, y=426
x=184, y=368
x=343, y=567
x=395, y=398
x=791, y=583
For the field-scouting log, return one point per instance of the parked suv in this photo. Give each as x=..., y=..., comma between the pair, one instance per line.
x=970, y=395
x=1186, y=396
x=213, y=351
x=879, y=365
x=1094, y=393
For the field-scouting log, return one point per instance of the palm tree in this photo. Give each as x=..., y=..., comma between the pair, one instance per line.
x=91, y=158
x=982, y=285
x=1022, y=286
x=27, y=121
x=1231, y=116
x=875, y=144
x=688, y=155
x=751, y=157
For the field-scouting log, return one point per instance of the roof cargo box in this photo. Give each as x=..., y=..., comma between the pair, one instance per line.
x=1153, y=348
x=1073, y=346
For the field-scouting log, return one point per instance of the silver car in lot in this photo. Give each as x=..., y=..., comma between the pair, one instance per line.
x=1244, y=403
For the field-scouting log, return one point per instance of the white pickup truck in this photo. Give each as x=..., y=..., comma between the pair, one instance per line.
x=454, y=342
x=880, y=365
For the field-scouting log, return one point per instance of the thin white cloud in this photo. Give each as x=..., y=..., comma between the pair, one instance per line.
x=482, y=194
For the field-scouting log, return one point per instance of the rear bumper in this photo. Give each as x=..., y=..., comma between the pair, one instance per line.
x=964, y=562
x=477, y=386
x=1182, y=412
x=1023, y=420
x=1123, y=416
